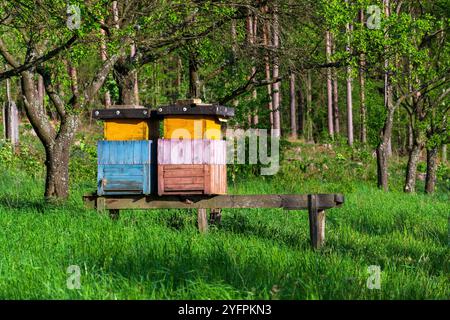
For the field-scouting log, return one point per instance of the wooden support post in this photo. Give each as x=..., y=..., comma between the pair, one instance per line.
x=114, y=214
x=202, y=221
x=316, y=222
x=100, y=204
x=215, y=216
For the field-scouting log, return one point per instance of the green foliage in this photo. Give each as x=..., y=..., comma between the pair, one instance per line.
x=26, y=159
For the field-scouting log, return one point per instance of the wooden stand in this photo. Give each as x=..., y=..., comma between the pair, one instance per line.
x=316, y=204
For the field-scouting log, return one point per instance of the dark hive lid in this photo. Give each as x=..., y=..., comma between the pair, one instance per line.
x=121, y=112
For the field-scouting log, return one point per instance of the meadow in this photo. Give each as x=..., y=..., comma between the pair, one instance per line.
x=253, y=254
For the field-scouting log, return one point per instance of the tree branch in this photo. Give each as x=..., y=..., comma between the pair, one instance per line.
x=20, y=68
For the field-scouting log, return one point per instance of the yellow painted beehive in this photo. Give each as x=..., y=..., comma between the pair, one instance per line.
x=192, y=127
x=126, y=129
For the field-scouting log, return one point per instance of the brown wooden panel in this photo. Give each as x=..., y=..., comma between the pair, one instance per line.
x=203, y=179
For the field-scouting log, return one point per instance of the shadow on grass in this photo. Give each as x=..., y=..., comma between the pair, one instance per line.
x=181, y=271
x=39, y=205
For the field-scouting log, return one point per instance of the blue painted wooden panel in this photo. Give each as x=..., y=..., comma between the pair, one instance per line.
x=125, y=167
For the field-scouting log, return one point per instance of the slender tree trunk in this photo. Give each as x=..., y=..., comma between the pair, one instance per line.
x=349, y=29
x=275, y=75
x=135, y=77
x=335, y=95
x=430, y=180
x=234, y=48
x=383, y=148
x=104, y=57
x=251, y=35
x=362, y=90
x=387, y=81
x=266, y=40
x=309, y=110
x=329, y=84
x=335, y=103
x=293, y=106
x=301, y=109
x=444, y=154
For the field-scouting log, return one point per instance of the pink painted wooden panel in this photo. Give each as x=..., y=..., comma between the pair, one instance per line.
x=186, y=151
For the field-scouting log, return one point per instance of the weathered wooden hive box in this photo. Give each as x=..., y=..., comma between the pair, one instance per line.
x=191, y=166
x=125, y=167
x=127, y=156
x=192, y=155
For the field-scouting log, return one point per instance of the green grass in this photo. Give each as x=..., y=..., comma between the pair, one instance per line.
x=254, y=254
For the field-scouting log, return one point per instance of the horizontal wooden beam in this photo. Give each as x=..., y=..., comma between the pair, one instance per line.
x=286, y=201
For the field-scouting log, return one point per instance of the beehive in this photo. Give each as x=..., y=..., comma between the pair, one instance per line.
x=125, y=167
x=191, y=166
x=126, y=129
x=192, y=127
x=122, y=123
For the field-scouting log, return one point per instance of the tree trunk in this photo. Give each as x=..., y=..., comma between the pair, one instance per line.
x=387, y=81
x=40, y=92
x=335, y=95
x=410, y=137
x=335, y=103
x=309, y=110
x=362, y=90
x=104, y=57
x=125, y=79
x=292, y=105
x=135, y=76
x=275, y=75
x=57, y=173
x=251, y=35
x=349, y=90
x=444, y=154
x=194, y=87
x=411, y=169
x=382, y=152
x=329, y=85
x=430, y=180
x=301, y=110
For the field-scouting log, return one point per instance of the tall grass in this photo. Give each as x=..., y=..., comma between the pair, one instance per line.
x=254, y=254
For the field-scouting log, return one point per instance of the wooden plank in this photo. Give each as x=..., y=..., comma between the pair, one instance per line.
x=183, y=173
x=316, y=222
x=184, y=180
x=286, y=201
x=202, y=221
x=183, y=187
